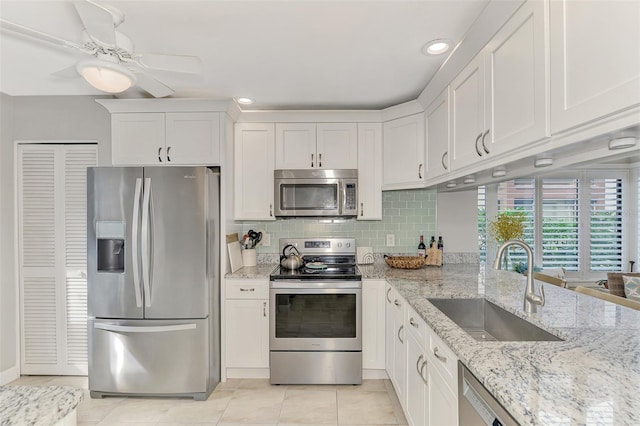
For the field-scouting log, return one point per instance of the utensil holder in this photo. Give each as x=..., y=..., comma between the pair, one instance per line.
x=249, y=257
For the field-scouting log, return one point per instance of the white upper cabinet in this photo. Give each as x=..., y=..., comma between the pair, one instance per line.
x=595, y=60
x=404, y=153
x=499, y=102
x=254, y=149
x=516, y=88
x=370, y=171
x=316, y=146
x=467, y=115
x=438, y=127
x=157, y=138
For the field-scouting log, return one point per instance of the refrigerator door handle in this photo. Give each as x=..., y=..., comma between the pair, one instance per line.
x=145, y=242
x=153, y=329
x=134, y=241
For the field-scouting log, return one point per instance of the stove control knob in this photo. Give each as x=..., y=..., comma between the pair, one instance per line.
x=339, y=245
x=348, y=244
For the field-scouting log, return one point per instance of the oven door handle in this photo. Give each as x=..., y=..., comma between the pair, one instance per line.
x=315, y=285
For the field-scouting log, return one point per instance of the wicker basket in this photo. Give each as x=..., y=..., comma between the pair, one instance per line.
x=404, y=262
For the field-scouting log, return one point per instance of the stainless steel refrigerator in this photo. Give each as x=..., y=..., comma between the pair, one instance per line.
x=153, y=281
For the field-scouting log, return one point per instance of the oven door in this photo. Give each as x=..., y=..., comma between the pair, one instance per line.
x=324, y=318
x=308, y=197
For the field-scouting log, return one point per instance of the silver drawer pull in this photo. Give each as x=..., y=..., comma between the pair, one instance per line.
x=437, y=355
x=395, y=302
x=418, y=369
x=247, y=289
x=413, y=323
x=264, y=309
x=424, y=364
x=399, y=331
x=388, y=291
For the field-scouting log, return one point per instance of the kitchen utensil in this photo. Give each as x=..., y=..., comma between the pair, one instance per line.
x=316, y=265
x=293, y=260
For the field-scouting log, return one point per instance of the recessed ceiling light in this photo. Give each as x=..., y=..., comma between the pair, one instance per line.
x=499, y=173
x=451, y=185
x=543, y=162
x=245, y=101
x=436, y=47
x=622, y=143
x=469, y=179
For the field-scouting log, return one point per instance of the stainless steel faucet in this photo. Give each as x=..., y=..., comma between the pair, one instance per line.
x=531, y=299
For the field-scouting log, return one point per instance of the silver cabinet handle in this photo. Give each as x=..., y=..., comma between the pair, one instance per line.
x=395, y=302
x=145, y=242
x=478, y=140
x=247, y=289
x=361, y=209
x=437, y=355
x=413, y=323
x=483, y=144
x=418, y=367
x=424, y=364
x=168, y=153
x=444, y=165
x=311, y=160
x=270, y=210
x=388, y=291
x=264, y=309
x=134, y=241
x=160, y=154
x=399, y=331
x=320, y=160
x=420, y=171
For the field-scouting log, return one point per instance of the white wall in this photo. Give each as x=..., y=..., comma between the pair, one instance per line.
x=457, y=221
x=8, y=308
x=48, y=118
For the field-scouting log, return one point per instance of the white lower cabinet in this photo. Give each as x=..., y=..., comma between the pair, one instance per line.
x=442, y=409
x=373, y=324
x=247, y=323
x=395, y=343
x=416, y=407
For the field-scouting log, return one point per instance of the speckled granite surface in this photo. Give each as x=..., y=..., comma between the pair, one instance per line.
x=592, y=377
x=37, y=405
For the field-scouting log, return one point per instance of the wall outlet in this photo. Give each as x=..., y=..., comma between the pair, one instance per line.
x=266, y=240
x=391, y=240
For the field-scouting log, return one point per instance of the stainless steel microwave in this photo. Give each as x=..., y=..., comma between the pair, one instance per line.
x=316, y=193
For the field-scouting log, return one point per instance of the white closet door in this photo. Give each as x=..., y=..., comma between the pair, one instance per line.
x=52, y=240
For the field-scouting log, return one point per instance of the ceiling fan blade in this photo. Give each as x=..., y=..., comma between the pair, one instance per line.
x=177, y=63
x=97, y=21
x=29, y=32
x=70, y=72
x=156, y=88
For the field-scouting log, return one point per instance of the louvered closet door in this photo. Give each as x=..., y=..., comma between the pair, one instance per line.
x=52, y=231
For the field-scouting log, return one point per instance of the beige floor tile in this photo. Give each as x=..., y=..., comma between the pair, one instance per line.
x=246, y=424
x=32, y=380
x=92, y=410
x=331, y=388
x=309, y=407
x=229, y=384
x=365, y=407
x=397, y=408
x=81, y=382
x=254, y=406
x=307, y=424
x=367, y=385
x=257, y=384
x=142, y=410
x=208, y=411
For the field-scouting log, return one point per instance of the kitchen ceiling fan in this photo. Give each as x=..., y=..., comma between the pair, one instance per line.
x=112, y=66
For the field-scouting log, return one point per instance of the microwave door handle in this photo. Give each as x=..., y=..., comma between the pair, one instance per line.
x=343, y=195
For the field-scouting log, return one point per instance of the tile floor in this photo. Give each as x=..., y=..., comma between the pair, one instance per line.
x=243, y=402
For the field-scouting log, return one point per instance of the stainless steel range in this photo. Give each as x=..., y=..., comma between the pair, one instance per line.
x=315, y=329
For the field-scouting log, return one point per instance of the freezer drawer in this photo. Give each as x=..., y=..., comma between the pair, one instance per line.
x=149, y=357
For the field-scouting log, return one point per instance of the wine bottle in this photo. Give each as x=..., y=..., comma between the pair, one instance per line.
x=432, y=242
x=441, y=248
x=422, y=249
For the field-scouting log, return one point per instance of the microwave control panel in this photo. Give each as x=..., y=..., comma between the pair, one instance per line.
x=350, y=196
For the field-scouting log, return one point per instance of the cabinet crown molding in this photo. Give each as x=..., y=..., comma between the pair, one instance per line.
x=164, y=105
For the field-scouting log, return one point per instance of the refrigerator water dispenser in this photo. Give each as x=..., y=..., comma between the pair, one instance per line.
x=110, y=236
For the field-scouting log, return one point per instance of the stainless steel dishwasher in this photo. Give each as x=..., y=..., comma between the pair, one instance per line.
x=476, y=406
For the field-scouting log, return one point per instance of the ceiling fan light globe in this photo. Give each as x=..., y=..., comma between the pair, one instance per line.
x=106, y=76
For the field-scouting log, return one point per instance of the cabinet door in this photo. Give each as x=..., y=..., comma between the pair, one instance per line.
x=595, y=60
x=296, y=146
x=253, y=172
x=417, y=389
x=399, y=350
x=370, y=171
x=389, y=332
x=442, y=409
x=193, y=138
x=137, y=139
x=467, y=115
x=516, y=81
x=373, y=324
x=403, y=148
x=247, y=333
x=337, y=145
x=438, y=128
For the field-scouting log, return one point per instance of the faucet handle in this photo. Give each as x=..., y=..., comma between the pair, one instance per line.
x=541, y=294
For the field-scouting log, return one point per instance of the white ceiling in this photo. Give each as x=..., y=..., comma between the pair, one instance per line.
x=284, y=54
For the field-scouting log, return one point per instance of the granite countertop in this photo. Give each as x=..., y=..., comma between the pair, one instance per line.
x=261, y=270
x=37, y=405
x=592, y=377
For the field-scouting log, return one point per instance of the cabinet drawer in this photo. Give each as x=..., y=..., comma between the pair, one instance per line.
x=247, y=289
x=444, y=360
x=416, y=325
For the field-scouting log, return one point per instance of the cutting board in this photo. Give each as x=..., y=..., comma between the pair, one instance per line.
x=235, y=257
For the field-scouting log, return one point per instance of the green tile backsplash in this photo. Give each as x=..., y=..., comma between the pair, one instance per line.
x=406, y=214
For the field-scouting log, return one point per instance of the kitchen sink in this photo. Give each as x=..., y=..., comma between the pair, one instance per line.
x=485, y=321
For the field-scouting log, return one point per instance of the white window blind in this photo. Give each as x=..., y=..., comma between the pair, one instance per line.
x=482, y=223
x=605, y=201
x=518, y=195
x=560, y=223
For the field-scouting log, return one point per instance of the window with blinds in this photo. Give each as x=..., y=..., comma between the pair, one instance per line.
x=518, y=195
x=560, y=224
x=482, y=223
x=605, y=211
